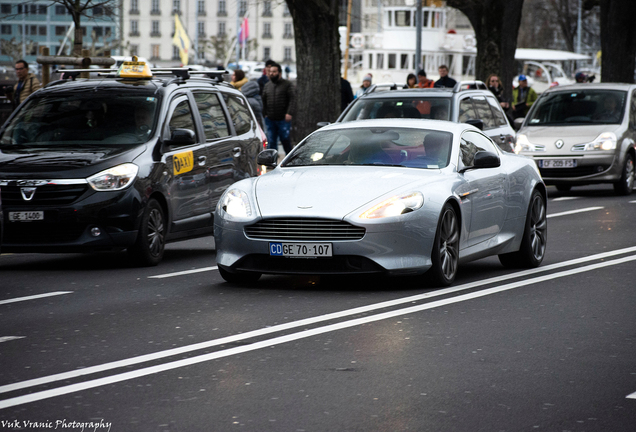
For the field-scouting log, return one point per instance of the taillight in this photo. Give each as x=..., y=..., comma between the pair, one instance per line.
x=263, y=138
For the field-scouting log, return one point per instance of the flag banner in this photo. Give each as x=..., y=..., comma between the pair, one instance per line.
x=181, y=40
x=244, y=32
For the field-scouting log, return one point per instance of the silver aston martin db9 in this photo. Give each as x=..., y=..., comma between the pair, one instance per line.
x=393, y=196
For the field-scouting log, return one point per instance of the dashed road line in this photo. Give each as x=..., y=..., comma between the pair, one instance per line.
x=34, y=297
x=10, y=338
x=583, y=210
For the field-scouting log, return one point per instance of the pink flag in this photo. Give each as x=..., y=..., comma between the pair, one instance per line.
x=244, y=32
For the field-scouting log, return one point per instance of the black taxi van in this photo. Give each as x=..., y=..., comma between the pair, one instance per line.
x=130, y=160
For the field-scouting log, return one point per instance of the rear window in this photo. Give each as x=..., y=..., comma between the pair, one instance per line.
x=413, y=108
x=580, y=106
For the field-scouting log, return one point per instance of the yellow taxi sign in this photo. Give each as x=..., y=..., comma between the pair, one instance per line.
x=134, y=69
x=182, y=162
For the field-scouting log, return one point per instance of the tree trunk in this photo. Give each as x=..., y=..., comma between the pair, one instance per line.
x=317, y=62
x=496, y=24
x=618, y=43
x=78, y=42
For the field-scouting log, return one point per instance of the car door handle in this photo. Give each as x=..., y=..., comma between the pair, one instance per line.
x=236, y=151
x=202, y=160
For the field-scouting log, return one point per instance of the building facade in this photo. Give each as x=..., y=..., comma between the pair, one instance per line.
x=26, y=26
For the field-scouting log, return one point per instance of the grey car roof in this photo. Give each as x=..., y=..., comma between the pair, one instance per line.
x=586, y=86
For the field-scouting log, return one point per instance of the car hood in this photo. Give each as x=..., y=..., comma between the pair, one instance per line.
x=70, y=161
x=571, y=135
x=330, y=191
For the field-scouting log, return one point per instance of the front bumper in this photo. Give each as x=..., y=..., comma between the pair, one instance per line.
x=401, y=248
x=70, y=227
x=590, y=168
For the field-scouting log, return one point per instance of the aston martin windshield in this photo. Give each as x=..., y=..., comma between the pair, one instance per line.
x=407, y=147
x=436, y=108
x=84, y=117
x=575, y=107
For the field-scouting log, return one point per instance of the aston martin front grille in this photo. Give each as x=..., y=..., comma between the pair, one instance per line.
x=304, y=229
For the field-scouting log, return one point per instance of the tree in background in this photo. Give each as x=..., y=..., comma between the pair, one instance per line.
x=618, y=44
x=496, y=24
x=317, y=62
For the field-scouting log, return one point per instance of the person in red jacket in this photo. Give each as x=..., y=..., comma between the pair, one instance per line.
x=422, y=81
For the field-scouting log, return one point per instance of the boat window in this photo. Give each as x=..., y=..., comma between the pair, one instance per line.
x=402, y=18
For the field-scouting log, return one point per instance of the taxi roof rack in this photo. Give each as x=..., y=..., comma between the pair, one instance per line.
x=182, y=73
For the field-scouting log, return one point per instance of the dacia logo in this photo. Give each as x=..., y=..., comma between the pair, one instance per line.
x=27, y=193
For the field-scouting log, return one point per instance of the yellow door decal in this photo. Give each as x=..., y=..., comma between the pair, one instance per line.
x=182, y=162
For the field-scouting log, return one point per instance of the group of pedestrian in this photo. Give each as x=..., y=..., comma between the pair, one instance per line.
x=272, y=98
x=523, y=96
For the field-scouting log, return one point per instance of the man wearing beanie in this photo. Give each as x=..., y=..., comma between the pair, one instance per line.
x=366, y=83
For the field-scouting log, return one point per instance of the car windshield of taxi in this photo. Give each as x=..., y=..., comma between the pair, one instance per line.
x=436, y=108
x=82, y=117
x=406, y=147
x=576, y=107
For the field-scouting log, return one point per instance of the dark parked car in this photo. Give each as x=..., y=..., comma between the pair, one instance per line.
x=468, y=102
x=101, y=164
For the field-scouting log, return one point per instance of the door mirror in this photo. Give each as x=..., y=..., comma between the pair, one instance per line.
x=181, y=137
x=516, y=124
x=485, y=159
x=479, y=124
x=268, y=157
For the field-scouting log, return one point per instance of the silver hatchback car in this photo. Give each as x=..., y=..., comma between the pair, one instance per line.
x=583, y=134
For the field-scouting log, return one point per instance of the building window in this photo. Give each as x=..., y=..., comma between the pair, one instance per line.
x=156, y=51
x=60, y=30
x=134, y=50
x=175, y=53
x=155, y=8
x=288, y=54
x=60, y=10
x=221, y=32
x=6, y=29
x=201, y=8
x=5, y=8
x=42, y=30
x=267, y=53
x=99, y=32
x=267, y=30
x=288, y=31
x=134, y=7
x=155, y=29
x=201, y=55
x=242, y=8
x=134, y=28
x=286, y=10
x=267, y=8
x=201, y=29
x=222, y=11
x=42, y=10
x=98, y=11
x=176, y=7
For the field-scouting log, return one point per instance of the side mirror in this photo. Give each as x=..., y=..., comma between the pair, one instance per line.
x=268, y=157
x=181, y=137
x=322, y=124
x=479, y=124
x=516, y=124
x=485, y=159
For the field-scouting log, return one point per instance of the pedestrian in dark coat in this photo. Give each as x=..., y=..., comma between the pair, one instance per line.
x=346, y=94
x=278, y=104
x=250, y=90
x=444, y=80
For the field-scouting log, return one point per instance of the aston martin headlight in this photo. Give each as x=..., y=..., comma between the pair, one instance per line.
x=236, y=203
x=395, y=206
x=115, y=178
x=605, y=141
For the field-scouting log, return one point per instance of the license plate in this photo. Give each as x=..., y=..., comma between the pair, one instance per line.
x=301, y=250
x=557, y=163
x=26, y=216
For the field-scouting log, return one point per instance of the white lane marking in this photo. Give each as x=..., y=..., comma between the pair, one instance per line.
x=19, y=400
x=181, y=273
x=632, y=202
x=631, y=396
x=33, y=297
x=10, y=338
x=564, y=198
x=308, y=321
x=565, y=213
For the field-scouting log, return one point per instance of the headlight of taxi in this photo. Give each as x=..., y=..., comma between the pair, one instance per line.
x=236, y=203
x=115, y=178
x=523, y=145
x=395, y=206
x=605, y=141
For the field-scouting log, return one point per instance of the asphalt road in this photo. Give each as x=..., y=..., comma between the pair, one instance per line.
x=88, y=342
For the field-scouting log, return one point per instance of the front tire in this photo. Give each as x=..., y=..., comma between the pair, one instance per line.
x=151, y=240
x=445, y=255
x=239, y=277
x=626, y=183
x=535, y=236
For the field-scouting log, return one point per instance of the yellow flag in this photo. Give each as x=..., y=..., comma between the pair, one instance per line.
x=181, y=40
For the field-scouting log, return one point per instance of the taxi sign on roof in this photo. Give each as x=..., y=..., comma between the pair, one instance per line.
x=134, y=69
